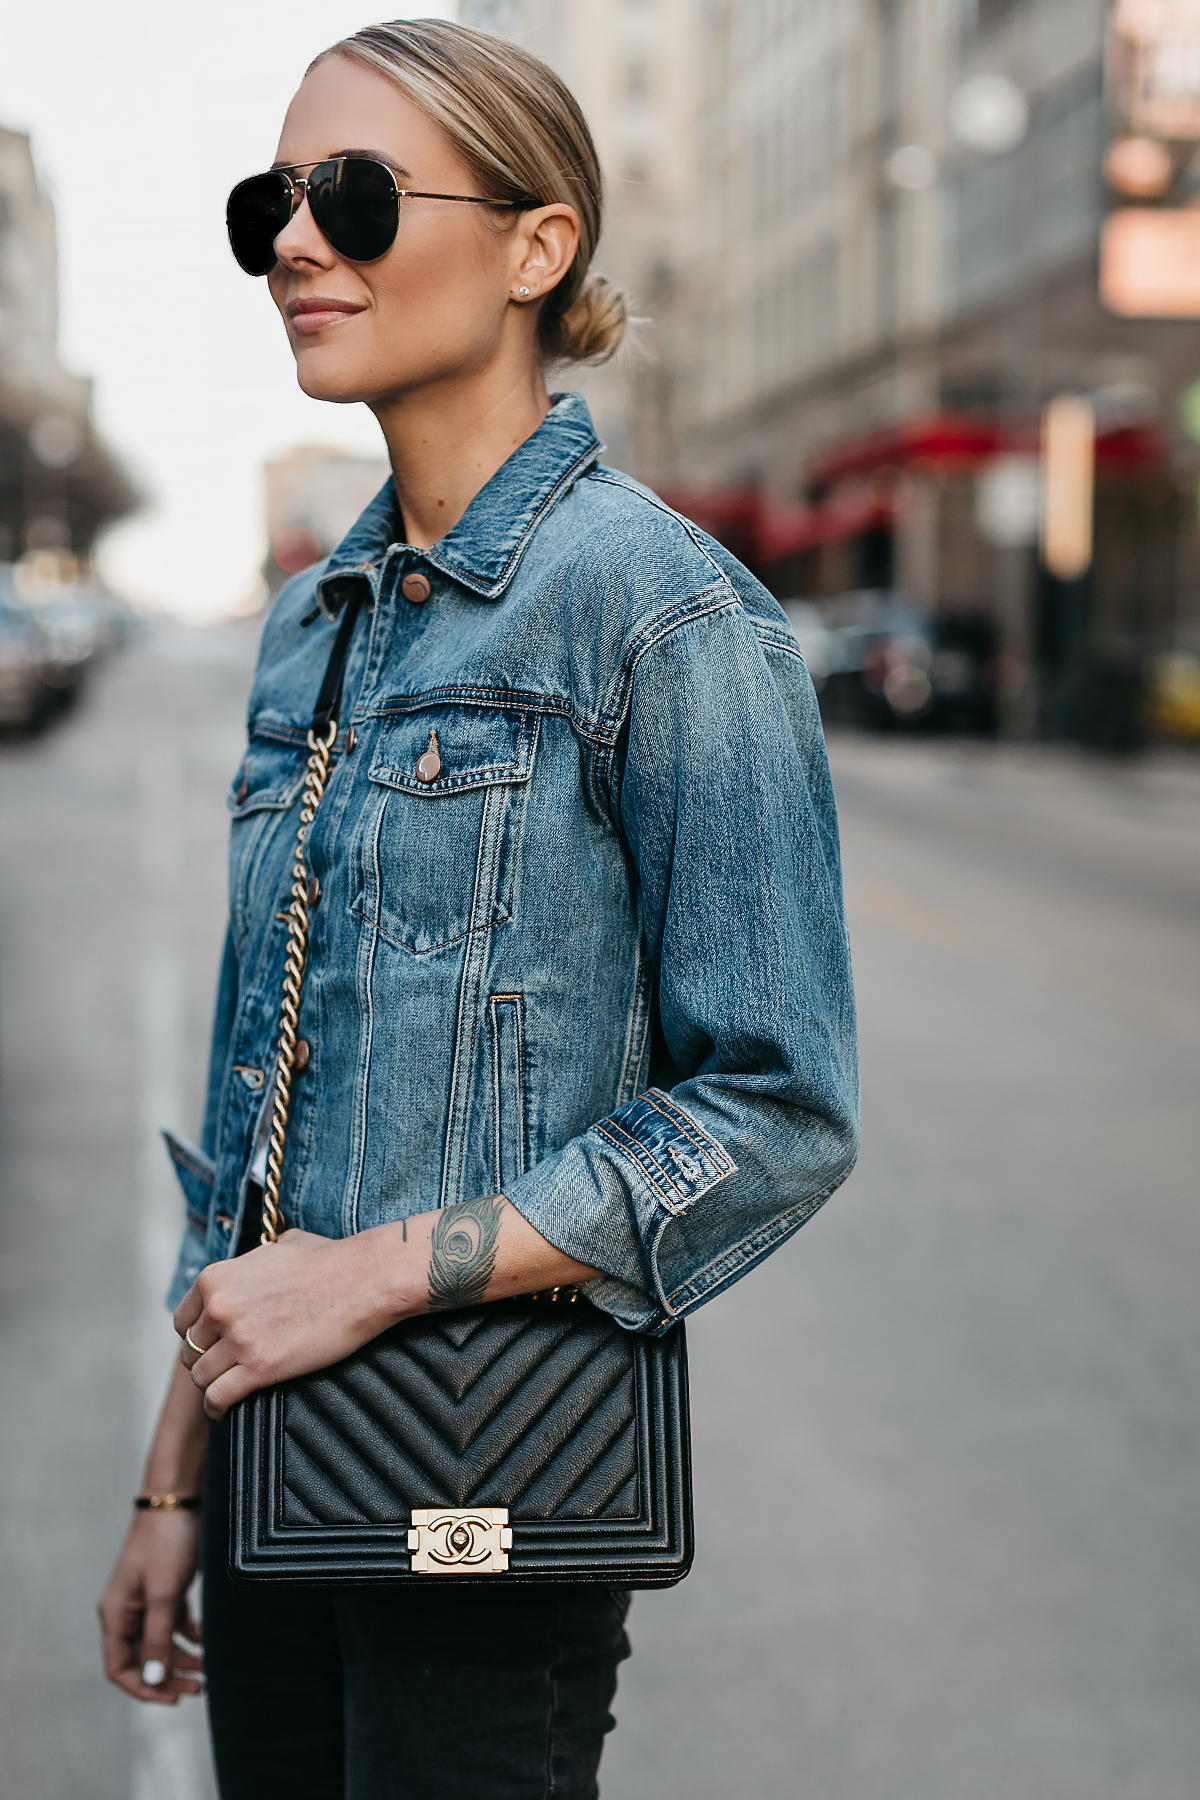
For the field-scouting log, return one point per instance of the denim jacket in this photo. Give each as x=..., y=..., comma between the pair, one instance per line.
x=599, y=962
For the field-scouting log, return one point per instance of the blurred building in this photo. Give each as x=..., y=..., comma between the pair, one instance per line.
x=314, y=495
x=870, y=253
x=58, y=483
x=631, y=64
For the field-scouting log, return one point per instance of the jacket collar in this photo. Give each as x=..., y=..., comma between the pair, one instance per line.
x=484, y=548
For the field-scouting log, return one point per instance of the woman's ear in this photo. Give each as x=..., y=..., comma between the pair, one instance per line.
x=544, y=249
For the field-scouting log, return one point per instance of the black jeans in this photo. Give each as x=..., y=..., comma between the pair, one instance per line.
x=403, y=1693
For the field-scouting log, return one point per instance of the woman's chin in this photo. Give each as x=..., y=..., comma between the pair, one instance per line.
x=321, y=379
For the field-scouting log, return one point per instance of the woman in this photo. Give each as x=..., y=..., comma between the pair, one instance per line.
x=579, y=840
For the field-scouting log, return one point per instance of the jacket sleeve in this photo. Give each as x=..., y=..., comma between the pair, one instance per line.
x=724, y=799
x=194, y=1166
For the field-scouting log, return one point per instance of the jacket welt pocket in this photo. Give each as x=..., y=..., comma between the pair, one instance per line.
x=510, y=1130
x=440, y=857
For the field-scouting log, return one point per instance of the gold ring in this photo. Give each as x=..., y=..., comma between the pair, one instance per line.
x=190, y=1341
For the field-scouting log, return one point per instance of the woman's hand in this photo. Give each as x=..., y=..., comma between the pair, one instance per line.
x=281, y=1310
x=286, y=1309
x=144, y=1608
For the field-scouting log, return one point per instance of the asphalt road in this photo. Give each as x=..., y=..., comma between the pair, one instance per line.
x=946, y=1440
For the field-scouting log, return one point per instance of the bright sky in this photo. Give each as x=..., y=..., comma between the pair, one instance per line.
x=143, y=114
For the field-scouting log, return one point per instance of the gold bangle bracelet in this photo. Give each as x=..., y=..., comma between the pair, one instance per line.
x=168, y=1502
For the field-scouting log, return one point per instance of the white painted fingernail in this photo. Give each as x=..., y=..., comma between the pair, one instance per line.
x=154, y=1673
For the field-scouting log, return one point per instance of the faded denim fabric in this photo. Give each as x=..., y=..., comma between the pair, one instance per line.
x=599, y=964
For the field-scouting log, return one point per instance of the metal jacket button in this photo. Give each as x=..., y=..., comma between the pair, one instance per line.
x=302, y=1053
x=429, y=765
x=314, y=891
x=415, y=588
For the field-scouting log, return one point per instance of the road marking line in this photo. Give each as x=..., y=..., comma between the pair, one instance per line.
x=171, y=1758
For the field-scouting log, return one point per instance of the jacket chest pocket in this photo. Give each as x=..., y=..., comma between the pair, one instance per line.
x=439, y=853
x=264, y=789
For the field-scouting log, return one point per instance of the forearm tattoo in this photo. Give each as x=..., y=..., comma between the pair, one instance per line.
x=462, y=1256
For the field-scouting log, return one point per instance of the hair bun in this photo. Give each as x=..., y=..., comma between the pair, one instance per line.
x=591, y=328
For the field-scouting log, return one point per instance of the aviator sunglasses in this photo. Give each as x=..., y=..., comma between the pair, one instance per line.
x=354, y=201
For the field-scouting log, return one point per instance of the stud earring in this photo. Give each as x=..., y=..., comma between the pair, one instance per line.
x=524, y=293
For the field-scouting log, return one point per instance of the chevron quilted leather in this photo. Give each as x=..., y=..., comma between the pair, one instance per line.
x=551, y=1410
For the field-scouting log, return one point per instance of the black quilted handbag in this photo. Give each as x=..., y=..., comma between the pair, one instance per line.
x=530, y=1440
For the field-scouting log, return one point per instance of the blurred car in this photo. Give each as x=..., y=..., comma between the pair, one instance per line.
x=892, y=664
x=24, y=695
x=816, y=641
x=51, y=635
x=1173, y=696
x=72, y=630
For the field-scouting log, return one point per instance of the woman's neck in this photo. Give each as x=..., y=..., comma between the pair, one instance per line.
x=447, y=440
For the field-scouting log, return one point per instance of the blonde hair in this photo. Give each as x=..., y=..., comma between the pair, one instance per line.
x=518, y=128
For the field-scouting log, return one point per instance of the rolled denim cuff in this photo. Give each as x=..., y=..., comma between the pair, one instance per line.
x=196, y=1172
x=193, y=1256
x=607, y=1196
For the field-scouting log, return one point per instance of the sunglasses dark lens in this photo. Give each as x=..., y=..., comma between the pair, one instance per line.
x=355, y=205
x=257, y=212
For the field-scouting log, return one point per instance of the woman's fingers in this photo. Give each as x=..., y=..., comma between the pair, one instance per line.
x=120, y=1637
x=188, y=1310
x=199, y=1339
x=132, y=1663
x=227, y=1390
x=145, y=1604
x=215, y=1361
x=158, y=1643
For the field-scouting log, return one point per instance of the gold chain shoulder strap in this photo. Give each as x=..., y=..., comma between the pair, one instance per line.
x=293, y=980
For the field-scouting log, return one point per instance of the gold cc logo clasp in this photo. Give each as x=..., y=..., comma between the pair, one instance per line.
x=460, y=1540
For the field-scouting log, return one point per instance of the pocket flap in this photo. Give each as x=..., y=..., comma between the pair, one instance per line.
x=476, y=746
x=197, y=1174
x=268, y=778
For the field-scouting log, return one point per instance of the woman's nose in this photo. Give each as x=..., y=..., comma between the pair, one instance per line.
x=301, y=242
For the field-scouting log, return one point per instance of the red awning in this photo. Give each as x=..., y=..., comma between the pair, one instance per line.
x=739, y=519
x=854, y=501
x=967, y=442
x=835, y=521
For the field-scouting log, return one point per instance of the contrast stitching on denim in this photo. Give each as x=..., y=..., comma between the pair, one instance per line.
x=486, y=775
x=501, y=908
x=501, y=916
x=487, y=860
x=180, y=1154
x=629, y=1146
x=458, y=571
x=517, y=1003
x=512, y=773
x=720, y=597
x=365, y=979
x=770, y=641
x=636, y=1032
x=621, y=693
x=608, y=1128
x=684, y=1122
x=266, y=823
x=497, y=1176
x=542, y=705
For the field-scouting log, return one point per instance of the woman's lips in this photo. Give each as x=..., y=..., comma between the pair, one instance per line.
x=319, y=312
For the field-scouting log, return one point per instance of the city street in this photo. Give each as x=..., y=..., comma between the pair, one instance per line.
x=947, y=1441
